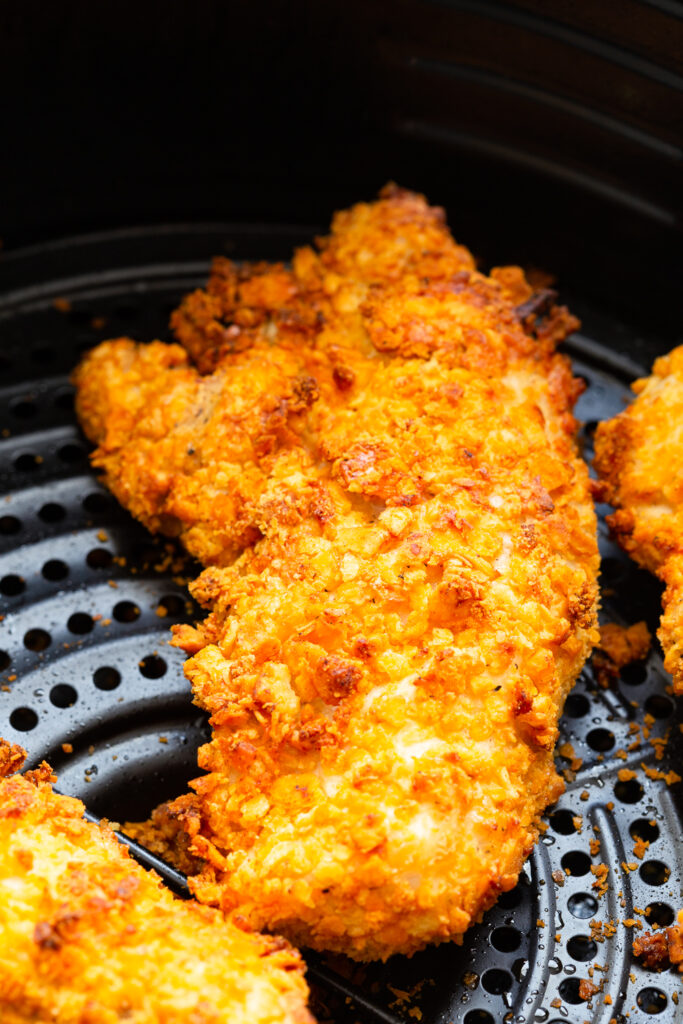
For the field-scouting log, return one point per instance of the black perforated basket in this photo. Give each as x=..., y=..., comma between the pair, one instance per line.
x=90, y=684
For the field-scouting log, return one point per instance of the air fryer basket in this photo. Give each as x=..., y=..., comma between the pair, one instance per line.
x=90, y=684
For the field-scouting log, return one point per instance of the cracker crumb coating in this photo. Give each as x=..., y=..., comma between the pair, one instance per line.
x=402, y=562
x=639, y=457
x=89, y=937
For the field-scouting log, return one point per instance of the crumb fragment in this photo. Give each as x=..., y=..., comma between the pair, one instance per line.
x=640, y=848
x=669, y=777
x=67, y=748
x=566, y=750
x=587, y=989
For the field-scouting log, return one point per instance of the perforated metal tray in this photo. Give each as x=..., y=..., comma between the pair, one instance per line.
x=90, y=684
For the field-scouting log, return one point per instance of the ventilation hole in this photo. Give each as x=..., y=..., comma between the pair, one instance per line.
x=63, y=696
x=126, y=611
x=24, y=409
x=651, y=1000
x=12, y=585
x=611, y=570
x=582, y=948
x=629, y=792
x=660, y=914
x=582, y=905
x=496, y=981
x=52, y=512
x=71, y=453
x=23, y=719
x=65, y=400
x=99, y=558
x=96, y=504
x=43, y=354
x=506, y=940
x=5, y=661
x=80, y=623
x=37, y=639
x=654, y=872
x=642, y=829
x=27, y=462
x=562, y=822
x=576, y=705
x=478, y=1017
x=55, y=570
x=569, y=990
x=634, y=674
x=9, y=525
x=152, y=667
x=576, y=862
x=172, y=605
x=659, y=706
x=106, y=678
x=600, y=739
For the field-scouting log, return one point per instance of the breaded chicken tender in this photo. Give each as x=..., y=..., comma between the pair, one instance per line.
x=392, y=451
x=639, y=457
x=89, y=937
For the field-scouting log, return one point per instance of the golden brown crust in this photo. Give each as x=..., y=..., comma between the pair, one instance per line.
x=386, y=661
x=169, y=832
x=88, y=937
x=639, y=458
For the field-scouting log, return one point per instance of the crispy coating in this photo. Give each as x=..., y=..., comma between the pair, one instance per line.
x=168, y=832
x=386, y=660
x=639, y=457
x=88, y=937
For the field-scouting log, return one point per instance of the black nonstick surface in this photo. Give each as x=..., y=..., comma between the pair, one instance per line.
x=87, y=597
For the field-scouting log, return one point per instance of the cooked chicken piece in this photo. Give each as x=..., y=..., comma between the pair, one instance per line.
x=639, y=456
x=88, y=937
x=386, y=661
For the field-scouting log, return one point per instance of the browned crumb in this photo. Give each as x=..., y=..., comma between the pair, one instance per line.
x=566, y=750
x=640, y=847
x=600, y=871
x=587, y=989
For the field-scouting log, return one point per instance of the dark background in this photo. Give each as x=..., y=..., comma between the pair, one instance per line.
x=551, y=132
